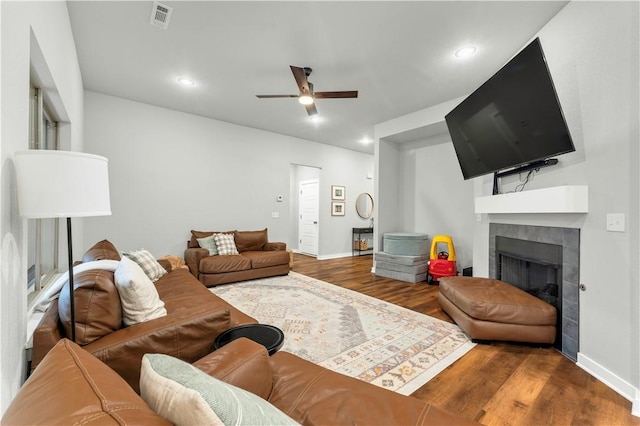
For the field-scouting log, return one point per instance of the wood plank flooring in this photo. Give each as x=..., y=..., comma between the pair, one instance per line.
x=496, y=384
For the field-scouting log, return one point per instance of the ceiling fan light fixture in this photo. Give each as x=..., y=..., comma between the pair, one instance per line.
x=305, y=99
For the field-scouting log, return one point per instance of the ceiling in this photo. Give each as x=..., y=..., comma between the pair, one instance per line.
x=398, y=55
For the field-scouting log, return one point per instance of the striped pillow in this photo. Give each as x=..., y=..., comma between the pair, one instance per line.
x=225, y=244
x=148, y=263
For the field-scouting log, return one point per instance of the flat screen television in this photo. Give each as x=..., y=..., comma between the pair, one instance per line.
x=513, y=119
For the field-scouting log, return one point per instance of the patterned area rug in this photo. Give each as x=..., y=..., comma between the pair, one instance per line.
x=351, y=333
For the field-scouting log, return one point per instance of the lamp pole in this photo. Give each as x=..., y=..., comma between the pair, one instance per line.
x=72, y=307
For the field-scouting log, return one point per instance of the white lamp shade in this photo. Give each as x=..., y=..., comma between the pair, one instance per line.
x=62, y=184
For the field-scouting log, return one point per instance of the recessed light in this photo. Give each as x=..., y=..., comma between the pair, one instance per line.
x=186, y=81
x=465, y=52
x=366, y=141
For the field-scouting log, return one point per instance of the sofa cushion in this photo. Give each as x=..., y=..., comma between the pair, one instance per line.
x=97, y=306
x=224, y=264
x=193, y=242
x=148, y=263
x=315, y=395
x=242, y=363
x=251, y=240
x=139, y=297
x=101, y=250
x=70, y=386
x=179, y=292
x=209, y=243
x=225, y=244
x=185, y=395
x=265, y=259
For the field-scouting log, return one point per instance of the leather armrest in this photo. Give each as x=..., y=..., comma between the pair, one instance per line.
x=72, y=387
x=242, y=363
x=192, y=257
x=274, y=246
x=46, y=335
x=184, y=334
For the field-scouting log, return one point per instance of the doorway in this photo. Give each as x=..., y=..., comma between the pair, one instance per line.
x=308, y=217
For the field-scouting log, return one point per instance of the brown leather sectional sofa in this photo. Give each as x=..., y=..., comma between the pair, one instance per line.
x=258, y=258
x=195, y=317
x=97, y=382
x=73, y=387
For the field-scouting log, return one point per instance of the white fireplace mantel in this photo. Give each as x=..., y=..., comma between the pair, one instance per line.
x=558, y=199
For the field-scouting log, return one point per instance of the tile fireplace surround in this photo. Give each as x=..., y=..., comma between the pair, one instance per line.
x=569, y=239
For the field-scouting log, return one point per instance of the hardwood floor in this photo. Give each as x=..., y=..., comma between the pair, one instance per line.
x=495, y=384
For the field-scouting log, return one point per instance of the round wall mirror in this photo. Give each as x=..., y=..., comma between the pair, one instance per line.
x=364, y=205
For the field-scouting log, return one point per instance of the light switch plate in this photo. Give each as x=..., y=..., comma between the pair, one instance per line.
x=615, y=222
x=275, y=214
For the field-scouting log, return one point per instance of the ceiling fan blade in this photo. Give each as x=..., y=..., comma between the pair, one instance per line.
x=276, y=96
x=311, y=109
x=301, y=78
x=336, y=95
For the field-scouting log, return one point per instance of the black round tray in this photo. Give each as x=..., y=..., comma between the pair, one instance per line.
x=269, y=336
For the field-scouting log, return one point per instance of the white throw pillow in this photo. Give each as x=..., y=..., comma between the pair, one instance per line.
x=138, y=295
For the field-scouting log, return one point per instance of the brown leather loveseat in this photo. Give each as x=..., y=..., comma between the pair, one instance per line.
x=72, y=387
x=256, y=258
x=195, y=317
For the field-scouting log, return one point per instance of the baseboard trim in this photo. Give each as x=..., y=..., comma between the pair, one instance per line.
x=618, y=384
x=334, y=256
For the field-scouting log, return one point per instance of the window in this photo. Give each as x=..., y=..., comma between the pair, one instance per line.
x=42, y=233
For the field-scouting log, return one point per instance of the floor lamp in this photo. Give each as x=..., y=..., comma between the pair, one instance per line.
x=62, y=184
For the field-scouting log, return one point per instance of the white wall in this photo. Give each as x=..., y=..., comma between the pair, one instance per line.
x=592, y=50
x=387, y=206
x=593, y=53
x=435, y=199
x=34, y=34
x=419, y=183
x=171, y=172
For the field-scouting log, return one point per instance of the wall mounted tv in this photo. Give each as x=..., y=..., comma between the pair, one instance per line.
x=514, y=119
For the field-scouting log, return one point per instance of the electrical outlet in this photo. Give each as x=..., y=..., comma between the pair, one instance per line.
x=275, y=214
x=615, y=222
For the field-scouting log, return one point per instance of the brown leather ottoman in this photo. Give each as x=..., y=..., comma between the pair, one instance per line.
x=489, y=309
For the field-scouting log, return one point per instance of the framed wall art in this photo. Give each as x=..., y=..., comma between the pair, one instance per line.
x=338, y=193
x=337, y=208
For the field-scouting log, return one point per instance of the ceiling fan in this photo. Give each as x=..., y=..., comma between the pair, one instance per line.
x=307, y=96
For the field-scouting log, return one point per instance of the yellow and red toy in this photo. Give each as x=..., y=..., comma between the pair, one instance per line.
x=442, y=263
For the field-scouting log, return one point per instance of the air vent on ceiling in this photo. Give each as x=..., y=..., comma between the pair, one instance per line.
x=160, y=15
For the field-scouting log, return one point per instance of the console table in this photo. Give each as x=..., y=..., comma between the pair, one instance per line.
x=359, y=248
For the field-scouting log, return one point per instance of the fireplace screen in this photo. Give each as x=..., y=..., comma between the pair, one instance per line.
x=533, y=267
x=534, y=278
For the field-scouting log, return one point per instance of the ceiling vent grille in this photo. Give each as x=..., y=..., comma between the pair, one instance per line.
x=160, y=15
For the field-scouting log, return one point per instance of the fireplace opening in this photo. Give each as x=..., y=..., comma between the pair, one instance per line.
x=534, y=267
x=561, y=250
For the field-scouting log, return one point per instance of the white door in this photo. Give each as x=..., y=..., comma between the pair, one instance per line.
x=308, y=217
